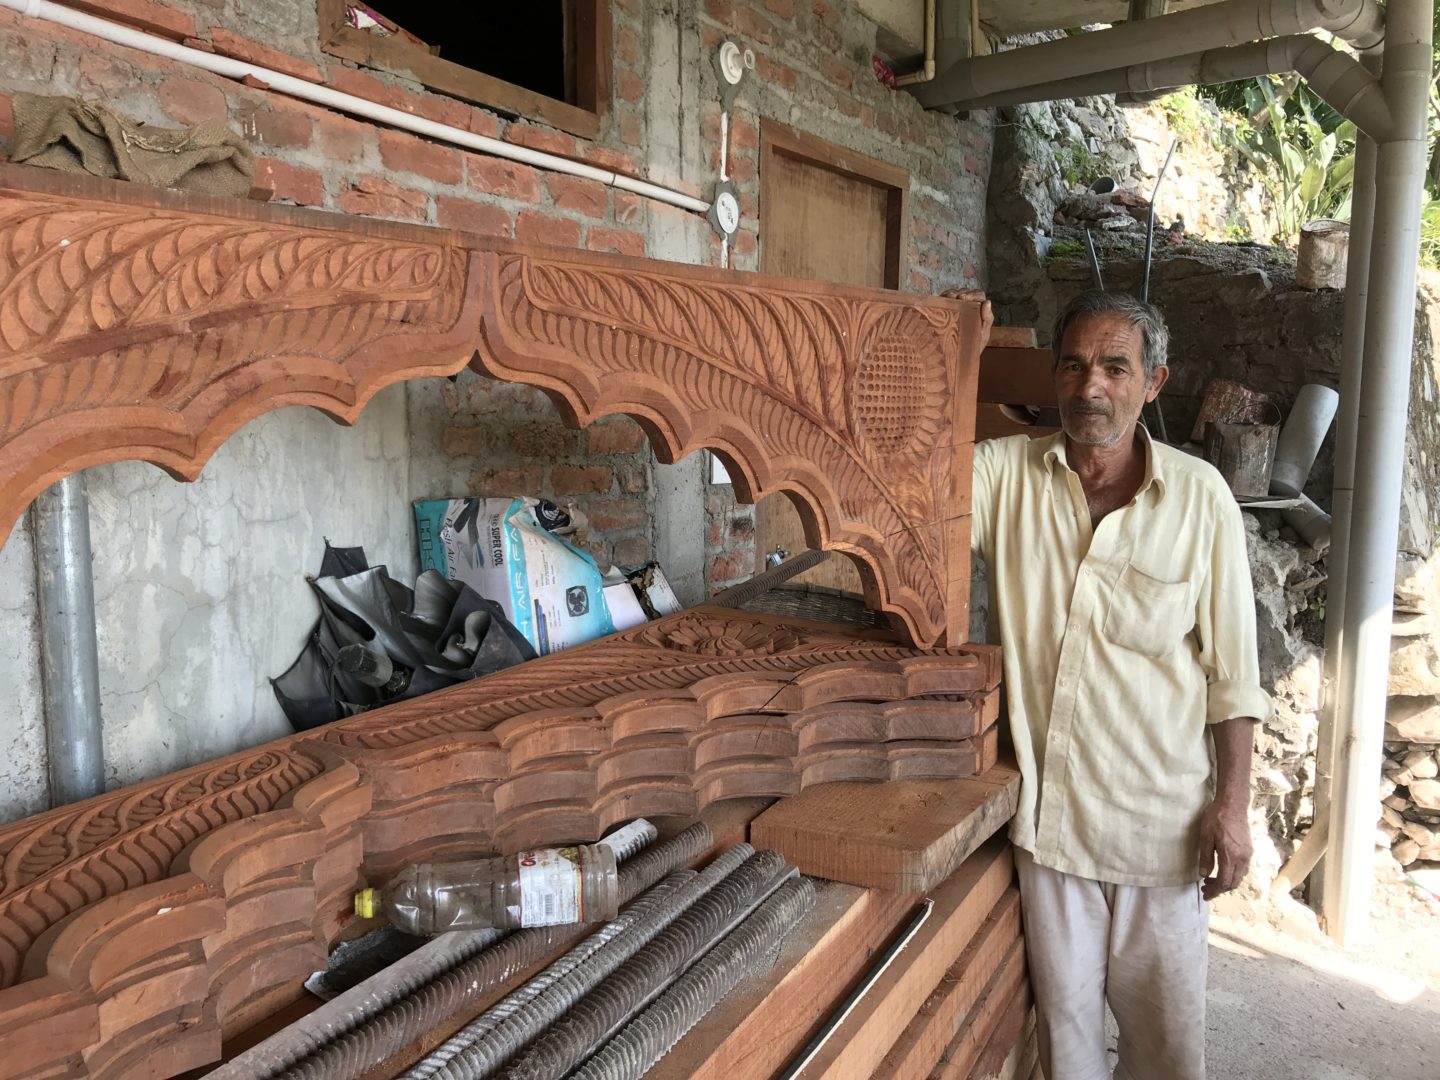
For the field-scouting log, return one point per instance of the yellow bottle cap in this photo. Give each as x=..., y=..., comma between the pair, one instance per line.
x=367, y=903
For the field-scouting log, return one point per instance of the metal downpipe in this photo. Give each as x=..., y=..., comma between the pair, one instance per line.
x=69, y=658
x=1379, y=462
x=1213, y=26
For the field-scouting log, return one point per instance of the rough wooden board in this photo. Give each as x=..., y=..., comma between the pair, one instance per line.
x=938, y=1022
x=1005, y=1055
x=961, y=904
x=998, y=1001
x=766, y=1020
x=905, y=835
x=1012, y=337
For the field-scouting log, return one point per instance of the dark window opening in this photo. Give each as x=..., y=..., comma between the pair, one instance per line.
x=526, y=44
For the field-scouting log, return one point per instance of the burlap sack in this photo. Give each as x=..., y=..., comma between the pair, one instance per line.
x=77, y=136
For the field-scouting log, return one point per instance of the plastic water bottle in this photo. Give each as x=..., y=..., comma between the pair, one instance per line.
x=544, y=887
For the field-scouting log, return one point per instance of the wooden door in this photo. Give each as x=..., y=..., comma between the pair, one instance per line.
x=827, y=214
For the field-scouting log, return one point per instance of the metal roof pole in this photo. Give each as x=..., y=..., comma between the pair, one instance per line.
x=1383, y=402
x=69, y=658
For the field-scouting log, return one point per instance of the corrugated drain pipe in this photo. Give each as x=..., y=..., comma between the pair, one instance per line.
x=69, y=658
x=349, y=103
x=1144, y=41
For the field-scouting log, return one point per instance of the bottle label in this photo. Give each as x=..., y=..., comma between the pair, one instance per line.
x=550, y=887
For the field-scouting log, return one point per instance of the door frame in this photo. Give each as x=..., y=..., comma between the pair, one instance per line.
x=780, y=140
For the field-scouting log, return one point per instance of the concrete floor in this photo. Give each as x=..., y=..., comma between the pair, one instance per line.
x=1283, y=1006
x=1271, y=1017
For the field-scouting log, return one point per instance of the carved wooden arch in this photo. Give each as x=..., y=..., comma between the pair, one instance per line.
x=143, y=324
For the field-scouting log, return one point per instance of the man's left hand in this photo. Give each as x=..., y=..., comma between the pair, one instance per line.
x=1224, y=846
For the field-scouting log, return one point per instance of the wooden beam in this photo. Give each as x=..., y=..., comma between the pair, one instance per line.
x=1013, y=337
x=1016, y=376
x=905, y=836
x=766, y=1020
x=1007, y=993
x=961, y=904
x=942, y=1017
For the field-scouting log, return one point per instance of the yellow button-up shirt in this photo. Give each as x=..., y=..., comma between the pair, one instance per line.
x=1121, y=643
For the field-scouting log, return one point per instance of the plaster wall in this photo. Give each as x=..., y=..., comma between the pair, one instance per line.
x=200, y=589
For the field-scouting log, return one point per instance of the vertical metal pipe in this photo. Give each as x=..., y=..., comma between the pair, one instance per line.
x=69, y=660
x=1379, y=461
x=1347, y=423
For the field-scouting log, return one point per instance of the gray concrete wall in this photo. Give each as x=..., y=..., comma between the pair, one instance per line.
x=200, y=587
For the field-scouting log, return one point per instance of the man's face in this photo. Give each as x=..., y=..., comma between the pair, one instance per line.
x=1100, y=379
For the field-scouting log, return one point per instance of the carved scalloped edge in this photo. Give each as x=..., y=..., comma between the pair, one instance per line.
x=182, y=442
x=171, y=966
x=676, y=428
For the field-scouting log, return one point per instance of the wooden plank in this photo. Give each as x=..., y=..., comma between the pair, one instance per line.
x=1006, y=993
x=1006, y=1054
x=1013, y=337
x=939, y=1020
x=766, y=1020
x=905, y=835
x=991, y=423
x=404, y=58
x=961, y=904
x=1016, y=376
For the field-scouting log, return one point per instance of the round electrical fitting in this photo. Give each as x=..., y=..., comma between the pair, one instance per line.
x=749, y=59
x=727, y=212
x=732, y=62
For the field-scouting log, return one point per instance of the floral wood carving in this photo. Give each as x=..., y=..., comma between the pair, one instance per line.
x=151, y=324
x=140, y=928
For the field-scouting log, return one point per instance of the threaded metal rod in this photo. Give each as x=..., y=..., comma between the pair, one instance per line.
x=645, y=975
x=491, y=1018
x=374, y=1038
x=652, y=1034
x=517, y=1030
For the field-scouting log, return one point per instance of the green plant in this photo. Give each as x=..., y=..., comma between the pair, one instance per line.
x=1065, y=249
x=1307, y=169
x=1237, y=232
x=1430, y=233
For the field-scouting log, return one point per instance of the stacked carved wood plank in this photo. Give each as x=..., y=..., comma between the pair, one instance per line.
x=141, y=928
x=952, y=1001
x=242, y=869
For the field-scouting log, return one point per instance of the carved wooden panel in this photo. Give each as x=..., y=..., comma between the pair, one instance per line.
x=151, y=324
x=139, y=928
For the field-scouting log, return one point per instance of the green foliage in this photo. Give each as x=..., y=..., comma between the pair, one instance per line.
x=1065, y=249
x=1237, y=232
x=1430, y=233
x=1188, y=118
x=1307, y=165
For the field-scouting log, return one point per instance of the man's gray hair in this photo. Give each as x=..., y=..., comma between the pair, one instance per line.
x=1155, y=338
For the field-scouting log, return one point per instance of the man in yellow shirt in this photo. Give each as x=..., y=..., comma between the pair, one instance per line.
x=1121, y=592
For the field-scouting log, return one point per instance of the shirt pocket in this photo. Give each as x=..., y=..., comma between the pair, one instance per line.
x=1148, y=615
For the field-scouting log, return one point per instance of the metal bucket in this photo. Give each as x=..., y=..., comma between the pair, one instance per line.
x=1244, y=454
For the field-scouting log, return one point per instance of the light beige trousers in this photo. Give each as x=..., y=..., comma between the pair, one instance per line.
x=1142, y=949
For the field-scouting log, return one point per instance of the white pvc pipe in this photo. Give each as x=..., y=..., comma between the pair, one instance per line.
x=1347, y=424
x=349, y=103
x=1379, y=466
x=1212, y=26
x=1305, y=429
x=1335, y=77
